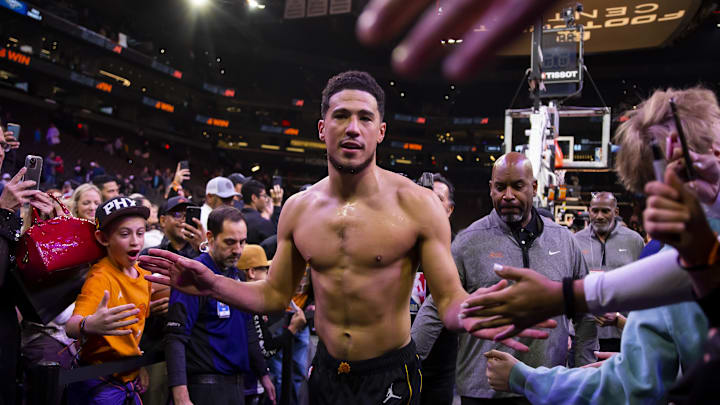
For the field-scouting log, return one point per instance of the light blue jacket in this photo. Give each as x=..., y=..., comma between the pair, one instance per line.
x=656, y=343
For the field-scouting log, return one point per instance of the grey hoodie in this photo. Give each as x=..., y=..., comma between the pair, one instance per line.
x=553, y=253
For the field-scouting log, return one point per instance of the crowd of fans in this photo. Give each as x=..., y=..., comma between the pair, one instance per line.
x=572, y=283
x=532, y=315
x=234, y=234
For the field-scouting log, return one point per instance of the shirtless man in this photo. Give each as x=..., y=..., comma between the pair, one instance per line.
x=364, y=231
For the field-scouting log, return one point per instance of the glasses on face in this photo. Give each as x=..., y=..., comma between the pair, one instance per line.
x=179, y=215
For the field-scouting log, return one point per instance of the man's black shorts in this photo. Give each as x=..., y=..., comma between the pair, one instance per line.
x=393, y=378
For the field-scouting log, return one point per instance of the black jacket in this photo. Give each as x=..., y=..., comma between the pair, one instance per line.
x=259, y=228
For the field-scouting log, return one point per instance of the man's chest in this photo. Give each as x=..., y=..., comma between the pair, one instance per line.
x=354, y=234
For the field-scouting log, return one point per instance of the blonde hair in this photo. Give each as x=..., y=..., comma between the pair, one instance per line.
x=700, y=117
x=74, y=200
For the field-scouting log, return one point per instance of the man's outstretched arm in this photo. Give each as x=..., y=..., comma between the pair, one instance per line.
x=273, y=294
x=650, y=282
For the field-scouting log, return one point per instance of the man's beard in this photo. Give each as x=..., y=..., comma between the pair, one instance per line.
x=224, y=262
x=603, y=228
x=346, y=169
x=512, y=218
x=230, y=261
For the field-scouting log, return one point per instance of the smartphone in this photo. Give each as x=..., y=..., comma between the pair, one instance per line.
x=277, y=181
x=659, y=163
x=33, y=166
x=190, y=213
x=15, y=129
x=184, y=165
x=689, y=169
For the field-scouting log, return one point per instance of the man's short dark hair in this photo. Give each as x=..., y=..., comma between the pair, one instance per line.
x=101, y=180
x=353, y=80
x=221, y=214
x=251, y=188
x=451, y=190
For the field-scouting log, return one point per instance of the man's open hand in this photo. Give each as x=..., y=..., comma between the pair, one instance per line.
x=186, y=275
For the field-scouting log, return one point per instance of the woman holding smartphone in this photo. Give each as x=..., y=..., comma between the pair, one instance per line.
x=16, y=193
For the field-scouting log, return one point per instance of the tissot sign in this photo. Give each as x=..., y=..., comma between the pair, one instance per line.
x=617, y=25
x=561, y=76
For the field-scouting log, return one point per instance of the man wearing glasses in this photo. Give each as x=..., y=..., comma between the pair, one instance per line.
x=255, y=198
x=179, y=237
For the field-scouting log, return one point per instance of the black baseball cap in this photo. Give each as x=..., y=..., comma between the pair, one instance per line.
x=238, y=178
x=116, y=208
x=175, y=203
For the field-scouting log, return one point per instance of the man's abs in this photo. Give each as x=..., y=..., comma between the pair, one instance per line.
x=363, y=314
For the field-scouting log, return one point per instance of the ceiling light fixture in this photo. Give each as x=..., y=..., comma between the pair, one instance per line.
x=198, y=3
x=253, y=4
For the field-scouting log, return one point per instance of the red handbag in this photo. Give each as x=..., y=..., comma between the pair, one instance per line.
x=63, y=243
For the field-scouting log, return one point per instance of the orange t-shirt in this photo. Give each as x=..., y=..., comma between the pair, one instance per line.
x=123, y=290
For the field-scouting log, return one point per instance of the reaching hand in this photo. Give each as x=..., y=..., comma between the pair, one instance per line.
x=674, y=216
x=706, y=165
x=143, y=380
x=601, y=356
x=532, y=299
x=608, y=319
x=159, y=306
x=484, y=27
x=269, y=387
x=707, y=185
x=186, y=275
x=474, y=323
x=46, y=205
x=297, y=322
x=109, y=321
x=181, y=175
x=195, y=235
x=10, y=141
x=17, y=193
x=276, y=193
x=499, y=366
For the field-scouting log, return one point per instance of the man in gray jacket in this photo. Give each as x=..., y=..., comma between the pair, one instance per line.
x=606, y=245
x=513, y=234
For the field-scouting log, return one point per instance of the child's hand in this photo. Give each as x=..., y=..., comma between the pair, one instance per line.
x=499, y=366
x=108, y=321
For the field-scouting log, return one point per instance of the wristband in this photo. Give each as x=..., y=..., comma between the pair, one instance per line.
x=82, y=325
x=568, y=297
x=698, y=267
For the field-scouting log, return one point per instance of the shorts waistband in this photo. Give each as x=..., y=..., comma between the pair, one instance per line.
x=389, y=360
x=236, y=379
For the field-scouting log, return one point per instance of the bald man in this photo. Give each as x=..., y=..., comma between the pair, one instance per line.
x=606, y=245
x=512, y=234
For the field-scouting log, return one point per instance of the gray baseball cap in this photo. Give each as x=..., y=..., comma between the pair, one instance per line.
x=221, y=187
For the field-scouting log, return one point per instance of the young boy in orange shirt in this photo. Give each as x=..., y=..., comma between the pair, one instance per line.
x=110, y=311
